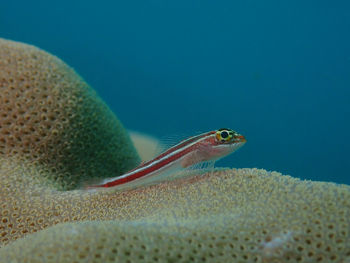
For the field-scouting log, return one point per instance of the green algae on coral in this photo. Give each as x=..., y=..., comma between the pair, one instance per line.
x=51, y=117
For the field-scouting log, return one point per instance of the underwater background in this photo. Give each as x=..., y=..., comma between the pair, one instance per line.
x=276, y=72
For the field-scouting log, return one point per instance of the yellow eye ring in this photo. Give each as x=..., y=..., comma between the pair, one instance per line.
x=224, y=135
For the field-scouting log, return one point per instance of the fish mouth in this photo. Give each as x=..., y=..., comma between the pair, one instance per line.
x=240, y=139
x=238, y=142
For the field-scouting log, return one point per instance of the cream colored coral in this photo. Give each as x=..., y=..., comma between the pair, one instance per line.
x=245, y=215
x=55, y=133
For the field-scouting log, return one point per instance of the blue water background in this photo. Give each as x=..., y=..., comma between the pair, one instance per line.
x=276, y=71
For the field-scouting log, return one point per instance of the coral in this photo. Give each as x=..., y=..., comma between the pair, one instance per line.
x=147, y=146
x=245, y=215
x=55, y=133
x=50, y=116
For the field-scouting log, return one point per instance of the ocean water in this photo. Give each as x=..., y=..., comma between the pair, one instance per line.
x=278, y=72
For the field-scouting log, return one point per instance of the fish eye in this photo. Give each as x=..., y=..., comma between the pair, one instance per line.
x=224, y=134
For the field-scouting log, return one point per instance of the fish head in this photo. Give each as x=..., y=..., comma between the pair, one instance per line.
x=227, y=141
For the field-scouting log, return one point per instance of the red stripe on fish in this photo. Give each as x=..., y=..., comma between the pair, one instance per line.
x=204, y=147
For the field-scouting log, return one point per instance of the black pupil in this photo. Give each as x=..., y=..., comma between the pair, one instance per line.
x=224, y=134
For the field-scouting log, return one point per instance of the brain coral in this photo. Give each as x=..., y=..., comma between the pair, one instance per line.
x=50, y=116
x=245, y=215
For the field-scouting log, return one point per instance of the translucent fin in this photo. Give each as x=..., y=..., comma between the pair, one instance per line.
x=168, y=174
x=147, y=180
x=199, y=168
x=146, y=146
x=149, y=147
x=203, y=167
x=175, y=170
x=171, y=140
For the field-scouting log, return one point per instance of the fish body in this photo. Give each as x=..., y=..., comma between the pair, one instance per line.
x=205, y=147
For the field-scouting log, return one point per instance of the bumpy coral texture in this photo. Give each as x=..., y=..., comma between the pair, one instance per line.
x=50, y=116
x=245, y=215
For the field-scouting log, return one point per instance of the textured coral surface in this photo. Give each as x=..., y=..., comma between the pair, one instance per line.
x=50, y=116
x=245, y=215
x=55, y=133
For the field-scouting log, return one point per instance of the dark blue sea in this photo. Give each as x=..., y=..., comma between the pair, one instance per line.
x=276, y=71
